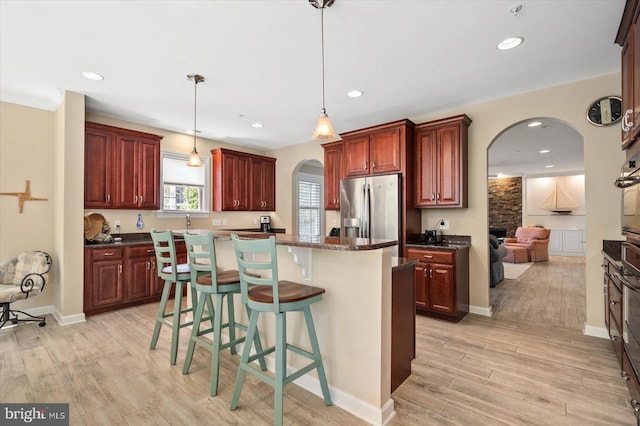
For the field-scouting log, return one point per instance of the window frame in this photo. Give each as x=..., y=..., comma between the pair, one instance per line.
x=302, y=176
x=206, y=191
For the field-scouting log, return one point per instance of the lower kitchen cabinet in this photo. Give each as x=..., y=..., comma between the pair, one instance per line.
x=123, y=276
x=442, y=282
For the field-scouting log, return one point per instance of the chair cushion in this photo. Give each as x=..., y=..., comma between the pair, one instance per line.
x=29, y=263
x=8, y=270
x=11, y=293
x=287, y=290
x=183, y=268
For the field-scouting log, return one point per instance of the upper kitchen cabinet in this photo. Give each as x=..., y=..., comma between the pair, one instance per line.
x=629, y=38
x=376, y=150
x=243, y=181
x=332, y=174
x=122, y=168
x=263, y=190
x=441, y=163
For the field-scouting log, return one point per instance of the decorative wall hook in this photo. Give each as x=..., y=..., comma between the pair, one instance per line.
x=24, y=196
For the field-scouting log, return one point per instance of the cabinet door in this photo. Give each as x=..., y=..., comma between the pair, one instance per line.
x=106, y=283
x=148, y=178
x=98, y=171
x=385, y=151
x=127, y=160
x=627, y=84
x=332, y=176
x=421, y=284
x=635, y=34
x=263, y=185
x=243, y=182
x=227, y=177
x=356, y=156
x=572, y=241
x=426, y=172
x=555, y=241
x=441, y=288
x=448, y=166
x=138, y=276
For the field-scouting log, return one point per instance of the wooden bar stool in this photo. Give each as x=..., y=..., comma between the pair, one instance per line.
x=211, y=284
x=172, y=273
x=279, y=297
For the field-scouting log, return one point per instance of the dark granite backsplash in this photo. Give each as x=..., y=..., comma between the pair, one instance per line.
x=612, y=248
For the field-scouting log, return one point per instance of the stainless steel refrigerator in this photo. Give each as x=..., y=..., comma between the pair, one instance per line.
x=370, y=208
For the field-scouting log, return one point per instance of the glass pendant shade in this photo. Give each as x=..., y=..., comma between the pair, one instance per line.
x=324, y=129
x=194, y=159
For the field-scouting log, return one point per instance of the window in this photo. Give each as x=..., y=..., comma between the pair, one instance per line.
x=184, y=188
x=309, y=204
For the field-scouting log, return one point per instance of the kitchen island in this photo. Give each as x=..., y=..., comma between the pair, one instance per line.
x=366, y=290
x=353, y=321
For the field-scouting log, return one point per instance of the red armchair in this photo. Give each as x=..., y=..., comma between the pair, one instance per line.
x=534, y=239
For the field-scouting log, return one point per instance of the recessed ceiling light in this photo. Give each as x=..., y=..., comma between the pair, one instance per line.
x=535, y=124
x=510, y=43
x=257, y=125
x=92, y=75
x=355, y=93
x=544, y=151
x=548, y=166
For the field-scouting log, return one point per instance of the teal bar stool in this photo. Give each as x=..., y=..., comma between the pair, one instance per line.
x=279, y=297
x=212, y=284
x=173, y=274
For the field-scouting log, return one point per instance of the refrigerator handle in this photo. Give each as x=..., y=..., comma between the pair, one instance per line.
x=363, y=208
x=367, y=211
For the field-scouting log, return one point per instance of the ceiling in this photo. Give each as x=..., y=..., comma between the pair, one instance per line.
x=261, y=59
x=516, y=152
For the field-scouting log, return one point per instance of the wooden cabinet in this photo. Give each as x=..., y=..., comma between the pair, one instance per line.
x=382, y=149
x=441, y=163
x=333, y=174
x=243, y=181
x=122, y=168
x=375, y=151
x=442, y=282
x=121, y=276
x=403, y=321
x=629, y=38
x=613, y=307
x=263, y=189
x=104, y=286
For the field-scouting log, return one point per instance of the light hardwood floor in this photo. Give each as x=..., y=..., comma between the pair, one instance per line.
x=531, y=366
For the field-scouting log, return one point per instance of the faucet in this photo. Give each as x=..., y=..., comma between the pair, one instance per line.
x=188, y=220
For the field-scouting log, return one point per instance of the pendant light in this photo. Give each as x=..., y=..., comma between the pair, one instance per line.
x=194, y=158
x=324, y=129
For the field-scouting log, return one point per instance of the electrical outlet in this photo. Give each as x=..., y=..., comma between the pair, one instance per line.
x=116, y=223
x=444, y=224
x=224, y=221
x=216, y=222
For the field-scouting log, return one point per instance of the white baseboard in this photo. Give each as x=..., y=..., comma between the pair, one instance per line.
x=487, y=312
x=69, y=319
x=595, y=331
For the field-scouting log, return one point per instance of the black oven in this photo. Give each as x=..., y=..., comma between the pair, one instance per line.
x=629, y=182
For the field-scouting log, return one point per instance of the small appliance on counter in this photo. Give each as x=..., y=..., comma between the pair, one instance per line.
x=265, y=223
x=431, y=236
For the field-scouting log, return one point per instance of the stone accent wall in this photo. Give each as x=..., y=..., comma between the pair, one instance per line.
x=505, y=204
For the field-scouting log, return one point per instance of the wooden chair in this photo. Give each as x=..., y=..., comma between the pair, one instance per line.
x=209, y=283
x=279, y=297
x=173, y=274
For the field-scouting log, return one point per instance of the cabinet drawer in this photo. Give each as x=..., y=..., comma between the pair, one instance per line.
x=106, y=253
x=629, y=375
x=615, y=304
x=139, y=251
x=446, y=257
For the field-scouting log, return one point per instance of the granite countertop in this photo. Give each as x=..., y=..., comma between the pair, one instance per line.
x=399, y=263
x=612, y=249
x=449, y=242
x=326, y=243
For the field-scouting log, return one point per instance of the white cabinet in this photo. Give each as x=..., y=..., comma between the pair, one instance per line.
x=567, y=242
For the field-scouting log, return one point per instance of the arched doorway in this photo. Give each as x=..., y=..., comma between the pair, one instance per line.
x=308, y=202
x=527, y=162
